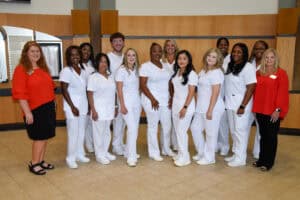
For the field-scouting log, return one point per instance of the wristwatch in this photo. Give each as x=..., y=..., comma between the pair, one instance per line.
x=277, y=109
x=185, y=106
x=242, y=107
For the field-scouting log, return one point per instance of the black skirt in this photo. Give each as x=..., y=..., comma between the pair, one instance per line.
x=44, y=122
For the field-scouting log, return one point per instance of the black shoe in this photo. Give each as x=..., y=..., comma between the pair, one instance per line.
x=256, y=164
x=265, y=168
x=45, y=165
x=32, y=169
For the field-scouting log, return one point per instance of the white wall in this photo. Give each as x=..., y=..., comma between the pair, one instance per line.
x=196, y=7
x=58, y=7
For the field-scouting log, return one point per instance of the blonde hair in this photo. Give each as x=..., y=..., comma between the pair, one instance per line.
x=125, y=61
x=219, y=62
x=262, y=69
x=24, y=60
x=164, y=57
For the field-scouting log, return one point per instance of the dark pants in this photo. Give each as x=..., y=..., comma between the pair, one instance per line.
x=268, y=142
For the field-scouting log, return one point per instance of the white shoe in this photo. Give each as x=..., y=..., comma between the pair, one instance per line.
x=223, y=153
x=236, y=163
x=181, y=162
x=203, y=161
x=168, y=153
x=118, y=151
x=138, y=156
x=110, y=156
x=131, y=162
x=256, y=157
x=83, y=159
x=157, y=158
x=176, y=157
x=102, y=160
x=71, y=164
x=197, y=157
x=231, y=158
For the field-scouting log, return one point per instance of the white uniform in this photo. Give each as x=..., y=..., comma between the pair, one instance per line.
x=223, y=136
x=118, y=123
x=207, y=149
x=182, y=125
x=158, y=84
x=256, y=145
x=132, y=102
x=173, y=143
x=75, y=125
x=235, y=88
x=88, y=128
x=104, y=91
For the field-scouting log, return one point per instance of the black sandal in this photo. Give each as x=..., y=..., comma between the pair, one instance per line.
x=32, y=169
x=256, y=164
x=45, y=165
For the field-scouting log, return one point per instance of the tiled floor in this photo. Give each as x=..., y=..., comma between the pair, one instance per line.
x=149, y=180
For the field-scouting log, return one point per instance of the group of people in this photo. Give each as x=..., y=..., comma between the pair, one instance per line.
x=229, y=93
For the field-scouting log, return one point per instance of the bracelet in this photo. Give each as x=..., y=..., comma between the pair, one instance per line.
x=185, y=106
x=278, y=110
x=116, y=106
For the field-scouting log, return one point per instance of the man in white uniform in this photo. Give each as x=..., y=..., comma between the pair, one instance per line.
x=116, y=58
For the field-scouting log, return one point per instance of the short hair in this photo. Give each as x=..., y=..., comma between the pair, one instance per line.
x=252, y=51
x=69, y=52
x=222, y=38
x=98, y=59
x=116, y=35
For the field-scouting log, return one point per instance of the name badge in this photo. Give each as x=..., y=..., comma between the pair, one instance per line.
x=273, y=76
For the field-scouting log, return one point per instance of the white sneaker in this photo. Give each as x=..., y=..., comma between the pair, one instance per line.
x=230, y=158
x=131, y=162
x=256, y=157
x=118, y=151
x=181, y=162
x=236, y=163
x=168, y=153
x=110, y=156
x=71, y=164
x=102, y=160
x=223, y=153
x=138, y=156
x=83, y=159
x=157, y=158
x=203, y=161
x=197, y=157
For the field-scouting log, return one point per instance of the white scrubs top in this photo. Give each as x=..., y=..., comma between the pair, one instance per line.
x=77, y=90
x=205, y=82
x=235, y=87
x=181, y=92
x=115, y=62
x=88, y=67
x=104, y=91
x=158, y=83
x=130, y=82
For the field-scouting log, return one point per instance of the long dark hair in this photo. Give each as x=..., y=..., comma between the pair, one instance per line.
x=188, y=68
x=91, y=58
x=98, y=59
x=234, y=68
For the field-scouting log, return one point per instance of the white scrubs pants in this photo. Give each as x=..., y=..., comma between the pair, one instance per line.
x=132, y=120
x=181, y=126
x=173, y=136
x=76, y=132
x=211, y=127
x=102, y=137
x=239, y=127
x=256, y=145
x=118, y=133
x=163, y=114
x=223, y=136
x=89, y=144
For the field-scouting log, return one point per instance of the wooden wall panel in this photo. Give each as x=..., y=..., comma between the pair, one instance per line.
x=286, y=50
x=288, y=20
x=10, y=111
x=80, y=22
x=109, y=21
x=293, y=116
x=52, y=24
x=198, y=25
